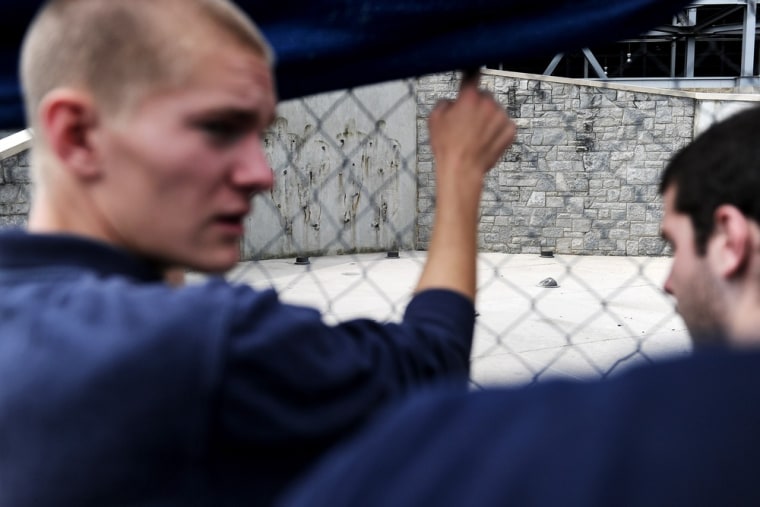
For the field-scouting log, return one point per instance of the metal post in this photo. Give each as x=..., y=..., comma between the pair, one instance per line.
x=691, y=44
x=748, y=41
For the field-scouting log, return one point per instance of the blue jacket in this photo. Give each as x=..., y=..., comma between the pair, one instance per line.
x=118, y=390
x=681, y=433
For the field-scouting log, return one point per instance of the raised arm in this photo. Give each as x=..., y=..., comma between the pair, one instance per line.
x=467, y=137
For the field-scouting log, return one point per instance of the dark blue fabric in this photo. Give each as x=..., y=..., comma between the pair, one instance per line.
x=118, y=390
x=331, y=44
x=682, y=433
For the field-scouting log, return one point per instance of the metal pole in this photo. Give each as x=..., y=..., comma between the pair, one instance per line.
x=691, y=44
x=748, y=41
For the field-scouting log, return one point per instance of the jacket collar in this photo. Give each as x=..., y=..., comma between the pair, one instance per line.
x=22, y=250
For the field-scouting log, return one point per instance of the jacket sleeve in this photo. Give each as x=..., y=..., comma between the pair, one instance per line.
x=290, y=378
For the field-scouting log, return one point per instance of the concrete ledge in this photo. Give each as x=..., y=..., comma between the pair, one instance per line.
x=613, y=85
x=15, y=144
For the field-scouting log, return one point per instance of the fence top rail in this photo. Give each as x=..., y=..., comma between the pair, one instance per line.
x=15, y=143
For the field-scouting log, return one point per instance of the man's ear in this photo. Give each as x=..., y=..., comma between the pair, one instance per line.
x=68, y=118
x=730, y=244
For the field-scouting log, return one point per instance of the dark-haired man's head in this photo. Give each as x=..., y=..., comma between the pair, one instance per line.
x=712, y=211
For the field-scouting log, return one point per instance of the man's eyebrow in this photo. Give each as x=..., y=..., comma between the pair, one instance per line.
x=664, y=235
x=235, y=115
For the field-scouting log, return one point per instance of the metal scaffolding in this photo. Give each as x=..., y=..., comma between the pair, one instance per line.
x=711, y=44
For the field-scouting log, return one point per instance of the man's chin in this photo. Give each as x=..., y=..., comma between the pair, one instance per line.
x=216, y=264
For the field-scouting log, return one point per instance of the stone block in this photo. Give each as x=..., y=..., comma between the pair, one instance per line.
x=575, y=205
x=564, y=245
x=589, y=99
x=637, y=212
x=549, y=137
x=11, y=193
x=619, y=214
x=572, y=182
x=596, y=162
x=546, y=182
x=7, y=209
x=651, y=246
x=541, y=217
x=663, y=115
x=518, y=179
x=581, y=225
x=633, y=117
x=655, y=213
x=552, y=232
x=591, y=214
x=627, y=194
x=591, y=241
x=642, y=175
x=527, y=110
x=619, y=234
x=642, y=229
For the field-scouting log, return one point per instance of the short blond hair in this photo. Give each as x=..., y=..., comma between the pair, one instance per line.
x=119, y=50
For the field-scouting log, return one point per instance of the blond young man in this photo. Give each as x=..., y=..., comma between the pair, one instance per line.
x=119, y=390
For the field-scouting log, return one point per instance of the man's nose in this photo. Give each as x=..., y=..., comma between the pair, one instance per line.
x=668, y=285
x=252, y=171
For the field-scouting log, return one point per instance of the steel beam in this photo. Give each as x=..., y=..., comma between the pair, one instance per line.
x=691, y=45
x=554, y=63
x=590, y=58
x=748, y=39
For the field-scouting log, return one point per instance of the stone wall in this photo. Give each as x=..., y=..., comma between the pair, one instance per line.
x=583, y=174
x=581, y=178
x=14, y=190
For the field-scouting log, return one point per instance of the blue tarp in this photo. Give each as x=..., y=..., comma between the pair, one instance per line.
x=325, y=45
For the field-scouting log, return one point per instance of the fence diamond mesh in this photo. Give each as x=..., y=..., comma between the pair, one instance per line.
x=574, y=204
x=346, y=226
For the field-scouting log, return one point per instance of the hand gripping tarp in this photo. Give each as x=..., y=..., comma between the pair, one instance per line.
x=324, y=45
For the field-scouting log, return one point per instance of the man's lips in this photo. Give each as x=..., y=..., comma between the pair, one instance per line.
x=232, y=221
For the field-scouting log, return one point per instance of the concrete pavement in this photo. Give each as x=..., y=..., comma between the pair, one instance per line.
x=607, y=314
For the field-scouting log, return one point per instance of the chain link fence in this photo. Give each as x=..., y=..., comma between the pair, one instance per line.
x=346, y=227
x=571, y=264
